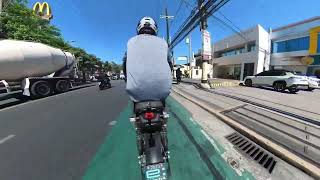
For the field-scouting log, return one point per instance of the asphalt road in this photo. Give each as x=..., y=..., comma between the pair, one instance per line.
x=56, y=137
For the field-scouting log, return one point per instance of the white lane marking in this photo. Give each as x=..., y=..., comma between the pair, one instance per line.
x=7, y=138
x=112, y=123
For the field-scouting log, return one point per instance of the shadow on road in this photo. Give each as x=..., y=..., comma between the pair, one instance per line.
x=13, y=101
x=271, y=89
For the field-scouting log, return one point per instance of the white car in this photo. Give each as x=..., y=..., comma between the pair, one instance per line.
x=280, y=80
x=313, y=83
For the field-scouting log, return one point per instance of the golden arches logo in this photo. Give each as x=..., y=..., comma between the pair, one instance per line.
x=43, y=10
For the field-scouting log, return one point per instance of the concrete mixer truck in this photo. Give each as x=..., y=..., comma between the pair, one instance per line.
x=38, y=69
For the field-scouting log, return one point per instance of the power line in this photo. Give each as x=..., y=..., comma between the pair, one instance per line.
x=193, y=20
x=178, y=10
x=229, y=21
x=182, y=2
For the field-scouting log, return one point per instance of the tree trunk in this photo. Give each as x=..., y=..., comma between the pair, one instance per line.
x=84, y=76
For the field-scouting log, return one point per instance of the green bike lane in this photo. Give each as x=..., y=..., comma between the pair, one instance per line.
x=192, y=155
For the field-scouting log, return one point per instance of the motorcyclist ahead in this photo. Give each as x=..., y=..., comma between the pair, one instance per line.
x=145, y=75
x=178, y=75
x=146, y=26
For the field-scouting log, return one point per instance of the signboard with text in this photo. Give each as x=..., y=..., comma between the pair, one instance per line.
x=206, y=52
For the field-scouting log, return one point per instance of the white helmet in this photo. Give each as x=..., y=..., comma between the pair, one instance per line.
x=147, y=26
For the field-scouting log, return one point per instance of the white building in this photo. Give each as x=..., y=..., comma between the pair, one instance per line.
x=238, y=56
x=296, y=47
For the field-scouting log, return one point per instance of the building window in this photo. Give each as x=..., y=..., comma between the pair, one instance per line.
x=298, y=44
x=251, y=47
x=233, y=52
x=197, y=72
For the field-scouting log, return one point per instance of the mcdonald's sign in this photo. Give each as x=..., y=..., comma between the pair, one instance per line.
x=43, y=10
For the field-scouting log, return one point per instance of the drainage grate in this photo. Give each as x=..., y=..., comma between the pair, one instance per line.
x=253, y=150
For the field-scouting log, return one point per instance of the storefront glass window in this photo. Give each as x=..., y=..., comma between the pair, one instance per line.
x=233, y=52
x=291, y=45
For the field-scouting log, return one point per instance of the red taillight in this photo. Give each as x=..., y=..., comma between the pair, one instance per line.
x=149, y=115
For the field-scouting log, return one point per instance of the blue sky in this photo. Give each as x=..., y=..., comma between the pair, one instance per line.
x=104, y=27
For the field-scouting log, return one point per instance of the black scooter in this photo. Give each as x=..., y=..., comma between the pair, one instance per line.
x=152, y=142
x=104, y=84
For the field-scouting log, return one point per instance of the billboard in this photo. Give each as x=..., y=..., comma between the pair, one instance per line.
x=182, y=58
x=206, y=40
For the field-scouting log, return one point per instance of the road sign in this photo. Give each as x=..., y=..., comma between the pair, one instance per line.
x=206, y=40
x=182, y=58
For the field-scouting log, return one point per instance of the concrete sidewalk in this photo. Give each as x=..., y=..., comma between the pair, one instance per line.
x=219, y=130
x=215, y=82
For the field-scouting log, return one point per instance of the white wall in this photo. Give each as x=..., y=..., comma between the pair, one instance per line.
x=297, y=31
x=263, y=46
x=236, y=40
x=194, y=75
x=248, y=57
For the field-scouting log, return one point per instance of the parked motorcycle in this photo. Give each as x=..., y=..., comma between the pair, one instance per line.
x=152, y=143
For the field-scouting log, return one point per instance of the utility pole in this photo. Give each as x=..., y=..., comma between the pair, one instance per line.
x=190, y=54
x=167, y=17
x=203, y=27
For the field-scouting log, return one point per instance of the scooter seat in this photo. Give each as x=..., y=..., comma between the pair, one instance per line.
x=143, y=106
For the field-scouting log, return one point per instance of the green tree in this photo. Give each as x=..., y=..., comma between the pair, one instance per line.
x=20, y=23
x=116, y=67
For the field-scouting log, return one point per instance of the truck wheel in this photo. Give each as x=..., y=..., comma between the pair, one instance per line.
x=279, y=86
x=248, y=82
x=62, y=86
x=41, y=89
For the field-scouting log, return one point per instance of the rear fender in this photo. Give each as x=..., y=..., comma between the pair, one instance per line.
x=153, y=154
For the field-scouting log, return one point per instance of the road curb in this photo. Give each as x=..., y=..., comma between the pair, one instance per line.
x=276, y=149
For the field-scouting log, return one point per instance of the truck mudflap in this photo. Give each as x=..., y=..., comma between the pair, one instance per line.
x=25, y=85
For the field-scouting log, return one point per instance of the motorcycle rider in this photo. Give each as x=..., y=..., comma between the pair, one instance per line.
x=146, y=27
x=147, y=70
x=178, y=75
x=104, y=79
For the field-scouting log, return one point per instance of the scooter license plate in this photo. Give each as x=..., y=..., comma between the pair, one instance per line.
x=156, y=172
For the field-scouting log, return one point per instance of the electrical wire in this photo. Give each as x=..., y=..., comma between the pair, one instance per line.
x=193, y=20
x=177, y=11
